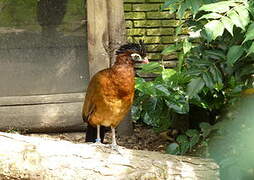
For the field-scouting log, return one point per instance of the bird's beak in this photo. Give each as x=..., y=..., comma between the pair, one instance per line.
x=145, y=60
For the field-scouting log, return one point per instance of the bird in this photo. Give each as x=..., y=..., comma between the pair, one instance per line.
x=110, y=93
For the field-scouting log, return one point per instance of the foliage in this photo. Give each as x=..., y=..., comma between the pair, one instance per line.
x=156, y=99
x=221, y=63
x=215, y=65
x=184, y=142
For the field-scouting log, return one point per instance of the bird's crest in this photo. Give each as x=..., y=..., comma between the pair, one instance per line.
x=139, y=48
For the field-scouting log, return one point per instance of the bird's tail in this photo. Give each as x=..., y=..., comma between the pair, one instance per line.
x=91, y=133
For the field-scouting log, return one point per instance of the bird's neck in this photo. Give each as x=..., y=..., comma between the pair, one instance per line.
x=123, y=74
x=124, y=59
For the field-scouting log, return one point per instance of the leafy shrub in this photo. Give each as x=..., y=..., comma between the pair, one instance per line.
x=215, y=64
x=158, y=98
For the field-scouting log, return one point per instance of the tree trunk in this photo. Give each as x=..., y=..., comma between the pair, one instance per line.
x=23, y=157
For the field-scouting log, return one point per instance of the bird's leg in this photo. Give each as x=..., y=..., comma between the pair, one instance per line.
x=98, y=139
x=114, y=145
x=113, y=136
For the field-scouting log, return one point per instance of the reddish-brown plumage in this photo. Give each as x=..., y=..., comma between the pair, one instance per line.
x=110, y=93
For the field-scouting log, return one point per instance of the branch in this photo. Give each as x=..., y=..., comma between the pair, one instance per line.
x=23, y=157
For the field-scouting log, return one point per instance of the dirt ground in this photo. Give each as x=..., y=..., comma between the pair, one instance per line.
x=144, y=138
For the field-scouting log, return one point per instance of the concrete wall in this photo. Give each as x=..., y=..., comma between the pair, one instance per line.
x=145, y=20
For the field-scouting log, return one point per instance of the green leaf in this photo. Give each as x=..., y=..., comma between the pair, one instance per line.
x=192, y=132
x=194, y=141
x=184, y=143
x=234, y=53
x=214, y=29
x=195, y=86
x=217, y=76
x=152, y=67
x=179, y=106
x=210, y=16
x=172, y=148
x=171, y=48
x=194, y=137
x=139, y=82
x=186, y=46
x=243, y=14
x=208, y=80
x=180, y=61
x=167, y=4
x=205, y=128
x=182, y=8
x=251, y=49
x=167, y=73
x=235, y=19
x=162, y=89
x=215, y=54
x=195, y=5
x=250, y=33
x=182, y=139
x=228, y=24
x=219, y=7
x=178, y=30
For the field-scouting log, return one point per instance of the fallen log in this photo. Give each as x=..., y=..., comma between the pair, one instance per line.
x=35, y=158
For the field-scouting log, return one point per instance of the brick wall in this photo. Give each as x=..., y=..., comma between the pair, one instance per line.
x=145, y=20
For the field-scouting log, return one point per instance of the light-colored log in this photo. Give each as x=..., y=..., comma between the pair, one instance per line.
x=35, y=158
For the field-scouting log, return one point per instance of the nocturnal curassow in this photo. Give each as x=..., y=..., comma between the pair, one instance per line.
x=110, y=93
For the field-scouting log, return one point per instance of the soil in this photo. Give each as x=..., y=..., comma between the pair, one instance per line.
x=144, y=138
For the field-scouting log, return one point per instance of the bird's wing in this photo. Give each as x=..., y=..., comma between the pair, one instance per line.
x=93, y=94
x=89, y=105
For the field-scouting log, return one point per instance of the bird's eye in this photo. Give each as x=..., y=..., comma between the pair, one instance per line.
x=136, y=57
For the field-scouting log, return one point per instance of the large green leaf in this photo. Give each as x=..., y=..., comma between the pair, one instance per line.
x=167, y=4
x=139, y=83
x=214, y=29
x=250, y=33
x=195, y=86
x=182, y=8
x=207, y=77
x=180, y=61
x=251, y=49
x=180, y=105
x=152, y=67
x=167, y=73
x=219, y=7
x=243, y=14
x=184, y=143
x=210, y=16
x=195, y=5
x=236, y=19
x=214, y=54
x=217, y=76
x=172, y=148
x=186, y=46
x=171, y=48
x=234, y=53
x=228, y=24
x=162, y=90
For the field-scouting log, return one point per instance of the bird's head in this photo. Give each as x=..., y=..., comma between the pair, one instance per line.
x=136, y=52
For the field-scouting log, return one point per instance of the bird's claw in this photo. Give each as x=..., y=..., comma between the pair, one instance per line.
x=116, y=148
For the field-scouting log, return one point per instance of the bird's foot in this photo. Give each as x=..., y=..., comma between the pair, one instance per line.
x=116, y=148
x=98, y=140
